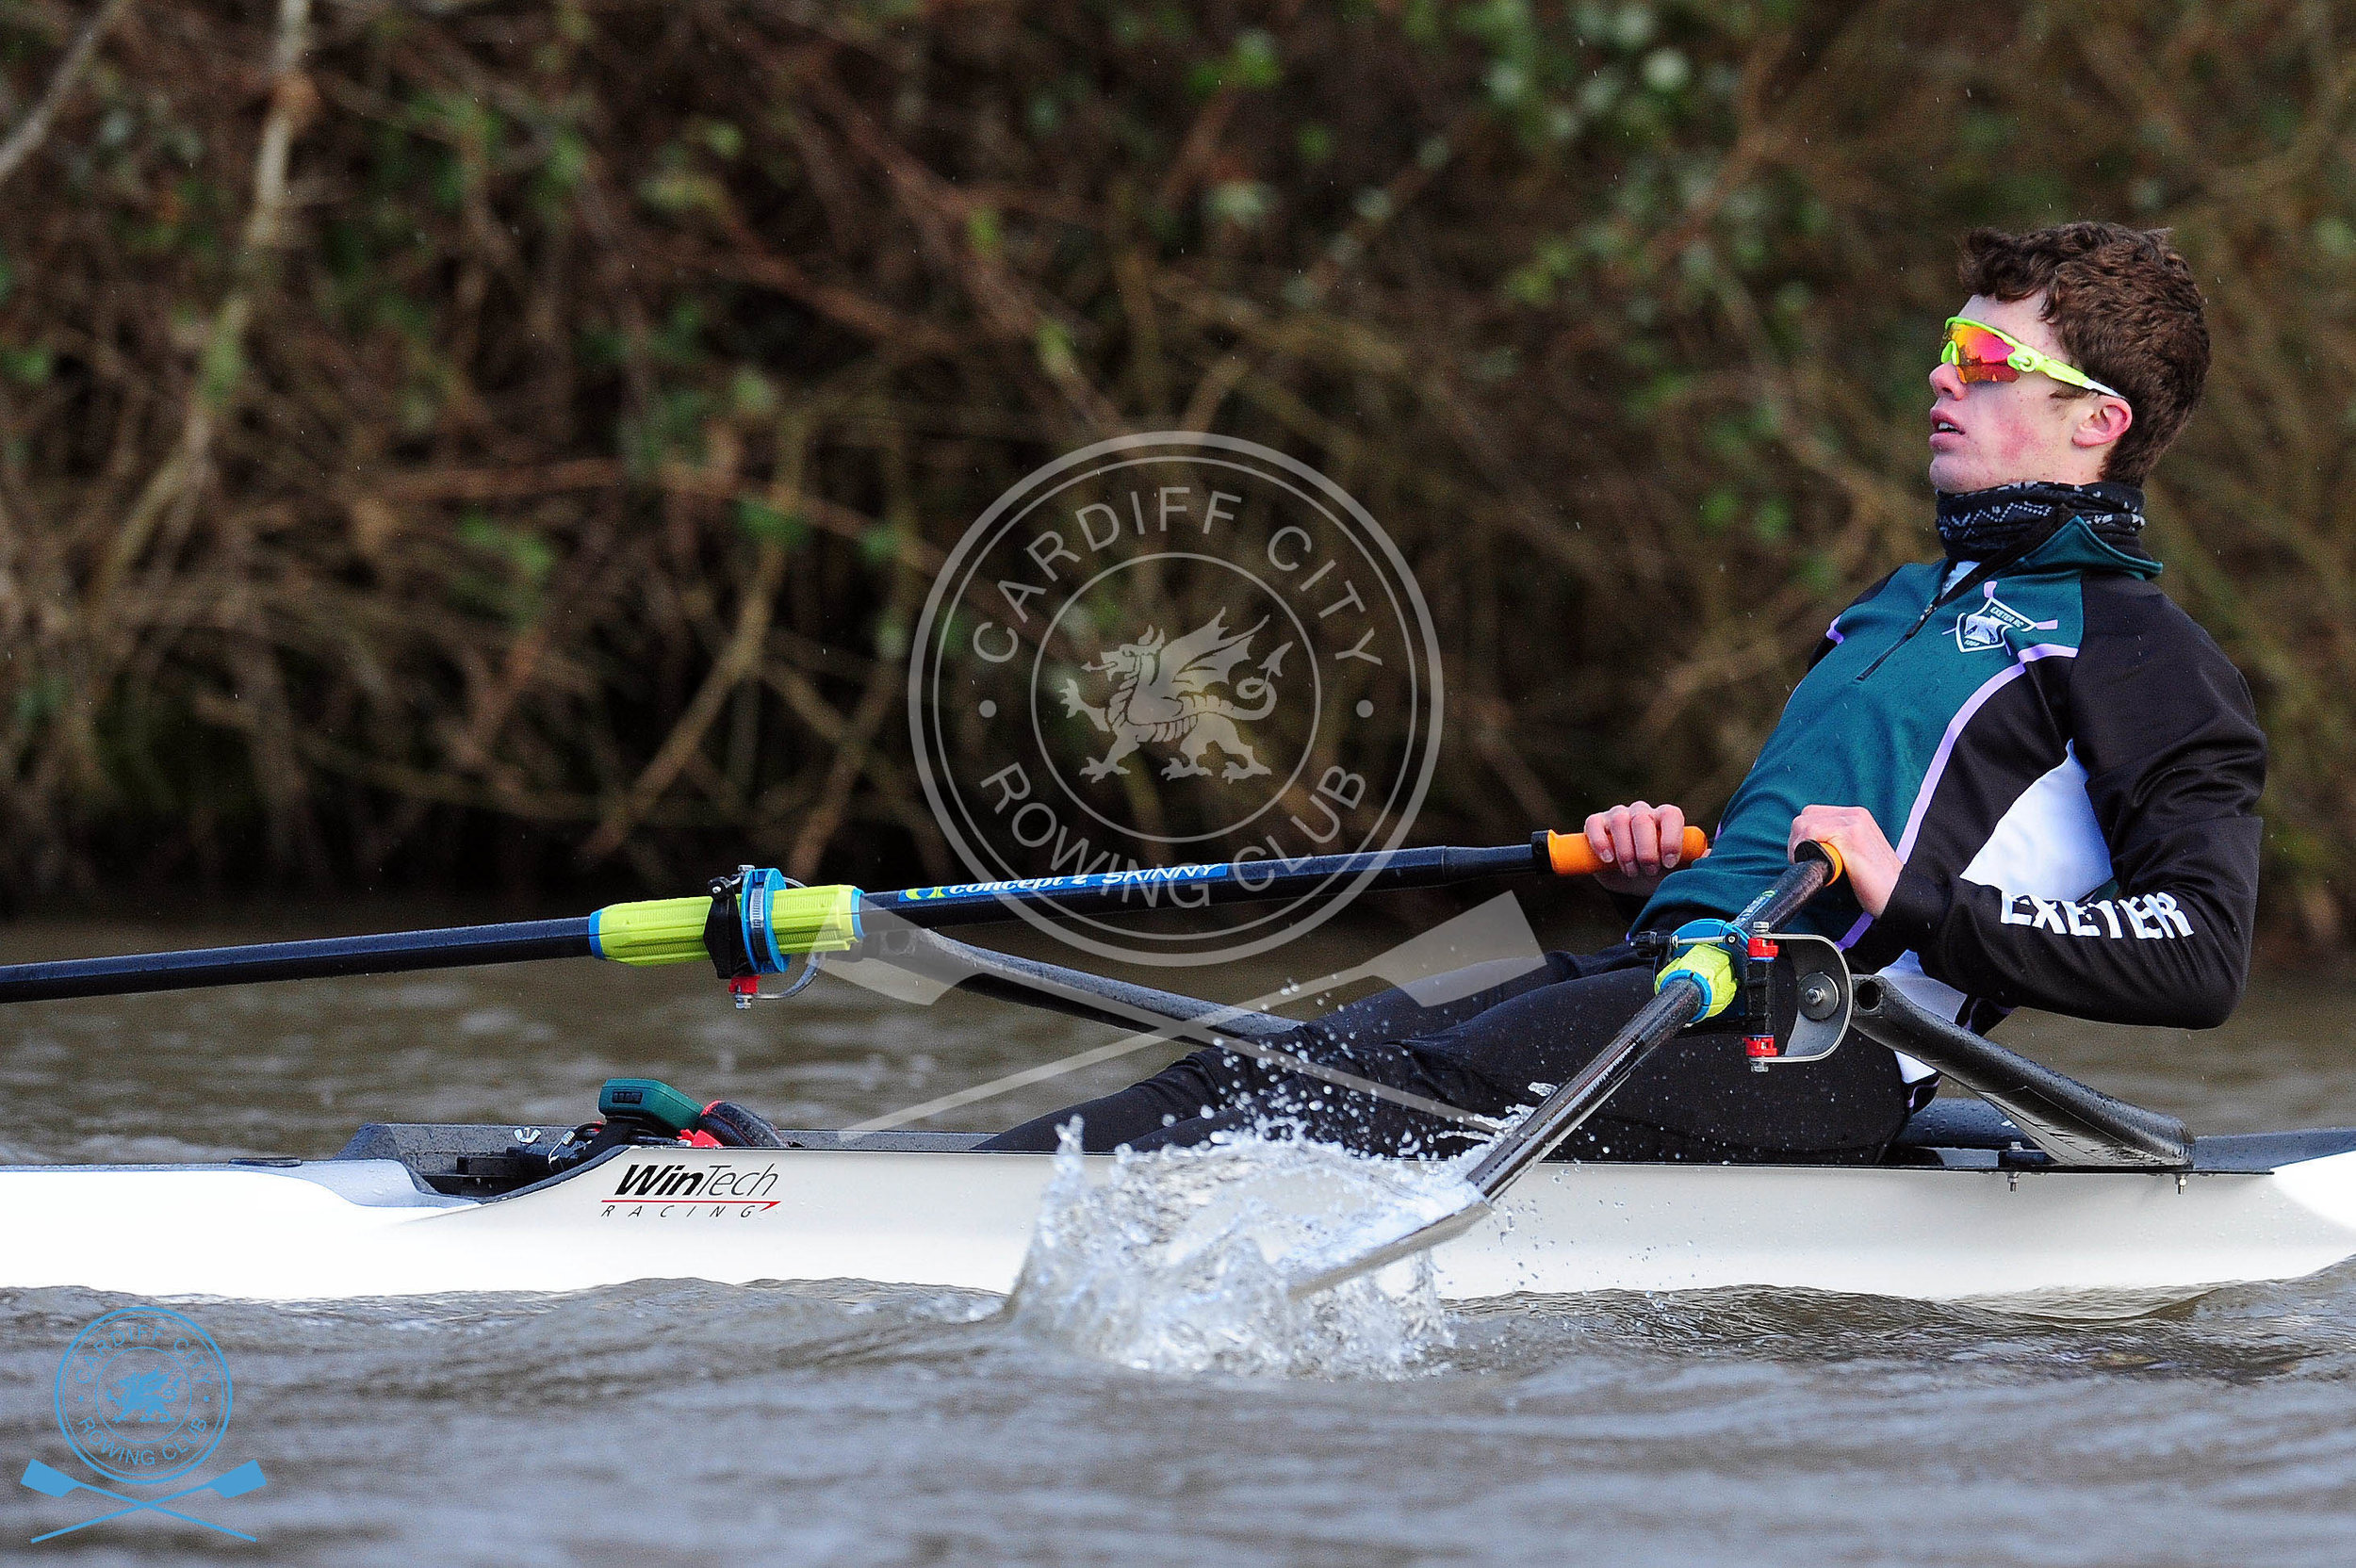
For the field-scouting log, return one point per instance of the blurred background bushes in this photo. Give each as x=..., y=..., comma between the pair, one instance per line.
x=503, y=444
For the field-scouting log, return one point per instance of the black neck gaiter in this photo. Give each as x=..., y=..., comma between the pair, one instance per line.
x=2008, y=521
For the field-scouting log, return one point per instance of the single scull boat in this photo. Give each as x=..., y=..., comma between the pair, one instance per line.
x=2046, y=1187
x=1962, y=1209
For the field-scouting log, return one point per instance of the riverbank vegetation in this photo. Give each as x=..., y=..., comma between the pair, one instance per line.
x=507, y=443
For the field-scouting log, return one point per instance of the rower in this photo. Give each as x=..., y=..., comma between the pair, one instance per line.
x=2040, y=773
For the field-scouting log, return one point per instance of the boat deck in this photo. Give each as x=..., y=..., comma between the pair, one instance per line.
x=495, y=1160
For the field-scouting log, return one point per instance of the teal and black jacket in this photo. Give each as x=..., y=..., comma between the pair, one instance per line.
x=2067, y=765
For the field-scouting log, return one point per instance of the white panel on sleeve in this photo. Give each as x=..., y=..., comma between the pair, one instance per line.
x=2049, y=844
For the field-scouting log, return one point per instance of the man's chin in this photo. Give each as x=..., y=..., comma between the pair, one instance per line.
x=1953, y=477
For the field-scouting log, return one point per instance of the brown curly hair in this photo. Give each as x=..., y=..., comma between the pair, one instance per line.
x=2126, y=307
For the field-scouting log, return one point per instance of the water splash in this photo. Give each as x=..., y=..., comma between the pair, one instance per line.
x=1170, y=1261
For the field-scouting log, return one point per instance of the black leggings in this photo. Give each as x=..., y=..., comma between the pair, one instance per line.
x=1696, y=1098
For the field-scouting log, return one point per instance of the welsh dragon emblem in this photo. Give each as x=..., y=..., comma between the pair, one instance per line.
x=145, y=1397
x=1162, y=697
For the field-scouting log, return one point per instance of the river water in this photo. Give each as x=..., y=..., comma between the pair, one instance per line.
x=675, y=1423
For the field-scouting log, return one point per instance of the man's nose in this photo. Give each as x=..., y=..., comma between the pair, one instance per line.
x=1946, y=379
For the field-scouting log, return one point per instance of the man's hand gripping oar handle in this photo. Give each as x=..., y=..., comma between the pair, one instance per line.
x=1683, y=997
x=1571, y=855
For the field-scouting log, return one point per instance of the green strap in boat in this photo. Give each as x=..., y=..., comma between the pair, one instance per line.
x=647, y=1099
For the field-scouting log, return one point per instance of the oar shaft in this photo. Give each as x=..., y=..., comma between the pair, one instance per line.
x=2075, y=1123
x=395, y=953
x=1678, y=1003
x=1191, y=887
x=1801, y=880
x=1538, y=1134
x=1561, y=1114
x=1075, y=993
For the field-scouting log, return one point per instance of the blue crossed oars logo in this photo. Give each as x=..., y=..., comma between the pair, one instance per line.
x=234, y=1483
x=143, y=1395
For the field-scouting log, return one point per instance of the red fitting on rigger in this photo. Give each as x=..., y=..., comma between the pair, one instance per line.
x=1759, y=1045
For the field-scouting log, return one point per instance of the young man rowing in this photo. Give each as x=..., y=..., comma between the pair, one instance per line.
x=2041, y=775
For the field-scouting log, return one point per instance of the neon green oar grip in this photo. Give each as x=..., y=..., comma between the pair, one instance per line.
x=659, y=931
x=813, y=919
x=671, y=930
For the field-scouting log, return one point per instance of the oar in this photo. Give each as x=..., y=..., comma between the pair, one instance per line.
x=779, y=921
x=1679, y=1001
x=2078, y=1126
x=951, y=965
x=1258, y=880
x=1484, y=946
x=1473, y=951
x=230, y=1483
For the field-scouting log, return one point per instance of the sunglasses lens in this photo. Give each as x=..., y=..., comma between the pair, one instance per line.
x=1979, y=354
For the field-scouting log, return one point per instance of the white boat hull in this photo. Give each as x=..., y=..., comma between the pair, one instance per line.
x=964, y=1219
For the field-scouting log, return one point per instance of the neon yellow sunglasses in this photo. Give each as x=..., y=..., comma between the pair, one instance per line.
x=1980, y=352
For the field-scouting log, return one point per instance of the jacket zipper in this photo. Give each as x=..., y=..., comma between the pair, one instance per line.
x=1972, y=579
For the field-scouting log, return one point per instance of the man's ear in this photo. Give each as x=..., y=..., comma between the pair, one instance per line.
x=2102, y=423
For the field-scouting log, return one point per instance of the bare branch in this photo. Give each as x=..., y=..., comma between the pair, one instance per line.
x=34, y=128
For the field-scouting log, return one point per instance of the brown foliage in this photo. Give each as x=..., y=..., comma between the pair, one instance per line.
x=440, y=431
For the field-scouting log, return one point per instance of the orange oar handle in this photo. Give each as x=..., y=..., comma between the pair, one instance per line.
x=1570, y=855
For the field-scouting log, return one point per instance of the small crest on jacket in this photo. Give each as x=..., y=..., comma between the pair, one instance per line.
x=1990, y=624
